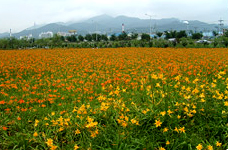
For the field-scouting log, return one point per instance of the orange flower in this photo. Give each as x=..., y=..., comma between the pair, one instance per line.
x=4, y=128
x=35, y=134
x=2, y=102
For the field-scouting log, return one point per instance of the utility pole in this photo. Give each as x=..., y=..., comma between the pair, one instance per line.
x=221, y=26
x=195, y=29
x=10, y=33
x=95, y=28
x=96, y=31
x=150, y=22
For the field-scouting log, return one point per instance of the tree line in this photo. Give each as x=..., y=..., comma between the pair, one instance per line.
x=161, y=39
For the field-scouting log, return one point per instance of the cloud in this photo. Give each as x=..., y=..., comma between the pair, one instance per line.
x=21, y=14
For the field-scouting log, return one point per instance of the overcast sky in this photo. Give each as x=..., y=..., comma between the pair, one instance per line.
x=21, y=14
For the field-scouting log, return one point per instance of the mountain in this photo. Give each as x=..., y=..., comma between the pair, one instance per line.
x=4, y=35
x=53, y=27
x=105, y=24
x=35, y=27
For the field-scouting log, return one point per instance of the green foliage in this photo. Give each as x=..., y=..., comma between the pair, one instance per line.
x=71, y=38
x=104, y=37
x=226, y=33
x=159, y=34
x=134, y=36
x=184, y=42
x=215, y=33
x=181, y=34
x=113, y=37
x=80, y=38
x=197, y=36
x=123, y=36
x=123, y=40
x=145, y=37
x=88, y=37
x=96, y=37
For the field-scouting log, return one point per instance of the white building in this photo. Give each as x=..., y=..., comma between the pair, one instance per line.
x=48, y=34
x=64, y=34
x=26, y=37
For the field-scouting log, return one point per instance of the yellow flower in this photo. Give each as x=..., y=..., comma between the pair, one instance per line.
x=133, y=121
x=209, y=147
x=77, y=131
x=76, y=147
x=36, y=122
x=158, y=123
x=226, y=103
x=126, y=118
x=169, y=112
x=165, y=129
x=61, y=129
x=161, y=148
x=124, y=124
x=93, y=134
x=52, y=147
x=176, y=129
x=35, y=134
x=222, y=72
x=144, y=111
x=199, y=147
x=182, y=129
x=203, y=100
x=153, y=76
x=163, y=113
x=218, y=144
x=193, y=111
x=49, y=142
x=167, y=143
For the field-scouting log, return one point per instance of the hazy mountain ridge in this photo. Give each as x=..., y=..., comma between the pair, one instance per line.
x=108, y=25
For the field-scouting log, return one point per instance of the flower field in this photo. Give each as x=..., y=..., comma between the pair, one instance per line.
x=123, y=98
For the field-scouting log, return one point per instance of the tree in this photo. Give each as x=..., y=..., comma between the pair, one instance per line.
x=170, y=34
x=71, y=38
x=113, y=37
x=122, y=36
x=4, y=43
x=104, y=37
x=225, y=41
x=184, y=41
x=81, y=38
x=181, y=34
x=226, y=33
x=215, y=33
x=88, y=37
x=159, y=34
x=134, y=36
x=62, y=38
x=197, y=36
x=145, y=37
x=56, y=40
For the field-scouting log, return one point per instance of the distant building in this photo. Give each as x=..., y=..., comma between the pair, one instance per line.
x=48, y=34
x=72, y=32
x=26, y=37
x=207, y=35
x=64, y=34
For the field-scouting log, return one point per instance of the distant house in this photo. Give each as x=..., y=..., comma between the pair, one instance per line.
x=48, y=34
x=208, y=34
x=26, y=37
